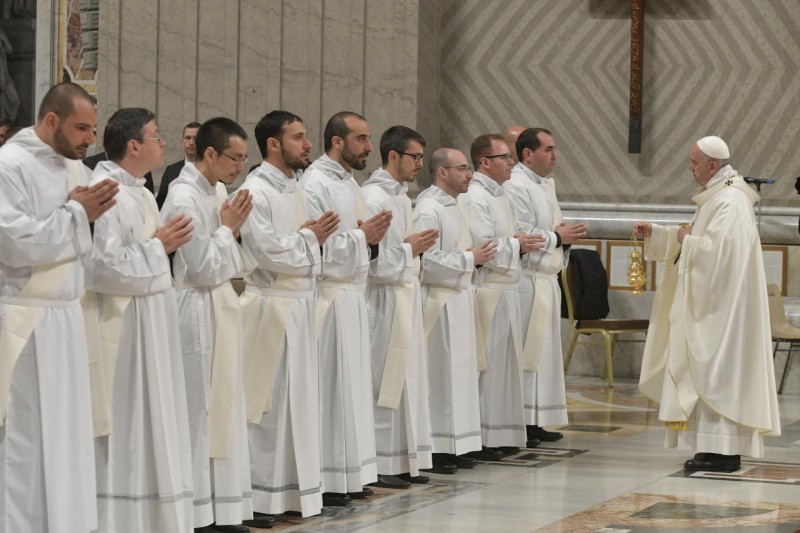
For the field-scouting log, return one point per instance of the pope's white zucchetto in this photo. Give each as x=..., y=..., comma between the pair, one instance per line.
x=714, y=147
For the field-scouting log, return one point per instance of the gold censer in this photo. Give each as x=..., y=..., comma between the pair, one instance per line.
x=637, y=273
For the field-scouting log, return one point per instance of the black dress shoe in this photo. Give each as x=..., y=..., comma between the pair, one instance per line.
x=442, y=465
x=260, y=520
x=391, y=482
x=532, y=443
x=365, y=492
x=421, y=480
x=486, y=454
x=537, y=432
x=508, y=450
x=230, y=529
x=461, y=461
x=714, y=462
x=335, y=499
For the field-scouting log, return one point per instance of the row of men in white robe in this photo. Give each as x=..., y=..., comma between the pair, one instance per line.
x=335, y=390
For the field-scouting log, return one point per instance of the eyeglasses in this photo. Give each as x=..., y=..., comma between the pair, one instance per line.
x=461, y=168
x=237, y=160
x=507, y=157
x=416, y=157
x=157, y=140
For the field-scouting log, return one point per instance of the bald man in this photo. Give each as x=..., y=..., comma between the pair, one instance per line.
x=510, y=136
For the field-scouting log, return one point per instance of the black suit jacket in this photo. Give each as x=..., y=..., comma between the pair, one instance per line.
x=92, y=161
x=170, y=173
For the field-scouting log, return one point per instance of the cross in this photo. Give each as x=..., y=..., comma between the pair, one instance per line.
x=637, y=53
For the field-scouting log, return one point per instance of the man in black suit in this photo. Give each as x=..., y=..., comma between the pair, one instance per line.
x=174, y=170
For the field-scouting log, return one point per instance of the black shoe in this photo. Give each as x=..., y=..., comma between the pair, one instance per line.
x=486, y=454
x=442, y=465
x=391, y=482
x=420, y=480
x=260, y=520
x=714, y=462
x=508, y=450
x=293, y=514
x=461, y=461
x=537, y=432
x=335, y=499
x=364, y=493
x=532, y=443
x=231, y=529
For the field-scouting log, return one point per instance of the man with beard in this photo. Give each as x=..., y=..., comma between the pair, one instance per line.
x=211, y=324
x=174, y=170
x=449, y=315
x=400, y=386
x=281, y=354
x=348, y=424
x=46, y=446
x=137, y=373
x=533, y=197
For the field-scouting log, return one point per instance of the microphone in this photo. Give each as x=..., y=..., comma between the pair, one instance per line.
x=758, y=181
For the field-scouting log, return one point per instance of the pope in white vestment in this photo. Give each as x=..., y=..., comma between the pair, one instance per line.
x=402, y=417
x=47, y=475
x=449, y=319
x=144, y=469
x=348, y=431
x=708, y=357
x=498, y=313
x=203, y=269
x=282, y=358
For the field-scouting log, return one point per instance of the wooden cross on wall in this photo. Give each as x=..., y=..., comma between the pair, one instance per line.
x=637, y=53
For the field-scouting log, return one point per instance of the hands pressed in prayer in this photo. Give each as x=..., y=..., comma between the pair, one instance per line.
x=233, y=214
x=571, y=232
x=96, y=199
x=375, y=228
x=683, y=231
x=483, y=253
x=643, y=229
x=175, y=233
x=324, y=226
x=422, y=241
x=529, y=243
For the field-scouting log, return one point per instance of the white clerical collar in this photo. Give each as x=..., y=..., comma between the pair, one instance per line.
x=487, y=183
x=386, y=181
x=721, y=175
x=275, y=177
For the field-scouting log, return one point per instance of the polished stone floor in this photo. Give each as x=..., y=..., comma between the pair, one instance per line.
x=610, y=473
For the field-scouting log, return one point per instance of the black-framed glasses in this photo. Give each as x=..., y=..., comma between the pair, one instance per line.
x=461, y=168
x=416, y=157
x=241, y=160
x=498, y=156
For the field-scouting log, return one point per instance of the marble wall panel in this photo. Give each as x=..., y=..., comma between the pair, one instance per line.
x=176, y=90
x=138, y=65
x=217, y=59
x=108, y=62
x=428, y=81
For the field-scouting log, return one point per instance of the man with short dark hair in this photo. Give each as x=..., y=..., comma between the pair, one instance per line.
x=174, y=170
x=400, y=388
x=46, y=445
x=533, y=196
x=130, y=309
x=211, y=323
x=278, y=305
x=348, y=423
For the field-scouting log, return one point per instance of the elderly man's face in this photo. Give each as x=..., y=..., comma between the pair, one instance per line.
x=701, y=167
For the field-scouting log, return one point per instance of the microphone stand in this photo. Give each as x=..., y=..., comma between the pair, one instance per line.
x=758, y=182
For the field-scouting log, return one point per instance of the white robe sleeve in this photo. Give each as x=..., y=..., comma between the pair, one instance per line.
x=394, y=263
x=27, y=240
x=211, y=258
x=121, y=266
x=440, y=267
x=527, y=220
x=482, y=228
x=287, y=254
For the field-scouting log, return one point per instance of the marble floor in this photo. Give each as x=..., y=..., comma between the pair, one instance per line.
x=610, y=473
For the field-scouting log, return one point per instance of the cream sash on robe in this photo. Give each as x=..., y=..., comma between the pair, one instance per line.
x=103, y=328
x=20, y=320
x=330, y=288
x=401, y=336
x=264, y=336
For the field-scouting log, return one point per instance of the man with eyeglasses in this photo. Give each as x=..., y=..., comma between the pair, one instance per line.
x=348, y=423
x=448, y=312
x=278, y=306
x=497, y=299
x=211, y=323
x=533, y=196
x=174, y=170
x=400, y=387
x=130, y=314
